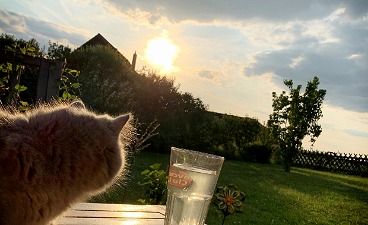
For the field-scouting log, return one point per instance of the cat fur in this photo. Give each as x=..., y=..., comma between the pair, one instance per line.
x=55, y=155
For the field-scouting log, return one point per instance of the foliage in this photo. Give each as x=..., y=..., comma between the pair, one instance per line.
x=364, y=171
x=179, y=114
x=58, y=51
x=18, y=81
x=230, y=135
x=12, y=69
x=69, y=86
x=104, y=78
x=229, y=200
x=294, y=116
x=69, y=83
x=139, y=143
x=155, y=183
x=258, y=153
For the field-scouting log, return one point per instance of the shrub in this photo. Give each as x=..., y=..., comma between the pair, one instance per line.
x=257, y=153
x=155, y=183
x=364, y=171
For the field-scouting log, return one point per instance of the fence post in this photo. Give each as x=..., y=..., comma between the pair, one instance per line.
x=42, y=80
x=53, y=83
x=49, y=80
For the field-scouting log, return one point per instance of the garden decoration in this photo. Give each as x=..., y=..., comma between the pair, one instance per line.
x=229, y=200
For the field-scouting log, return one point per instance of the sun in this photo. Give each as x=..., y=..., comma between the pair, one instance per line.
x=161, y=52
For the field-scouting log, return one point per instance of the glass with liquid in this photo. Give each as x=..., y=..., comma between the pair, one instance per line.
x=192, y=180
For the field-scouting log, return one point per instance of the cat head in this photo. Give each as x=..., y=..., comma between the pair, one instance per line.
x=116, y=124
x=90, y=145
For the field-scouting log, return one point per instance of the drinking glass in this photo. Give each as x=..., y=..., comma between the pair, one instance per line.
x=192, y=180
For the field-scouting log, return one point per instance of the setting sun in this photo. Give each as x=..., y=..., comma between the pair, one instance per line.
x=161, y=53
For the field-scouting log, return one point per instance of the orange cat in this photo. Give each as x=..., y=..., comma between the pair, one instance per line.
x=55, y=155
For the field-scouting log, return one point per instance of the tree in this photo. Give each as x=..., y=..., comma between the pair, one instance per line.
x=104, y=78
x=58, y=51
x=295, y=116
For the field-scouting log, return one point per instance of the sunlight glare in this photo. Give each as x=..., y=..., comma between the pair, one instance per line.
x=161, y=52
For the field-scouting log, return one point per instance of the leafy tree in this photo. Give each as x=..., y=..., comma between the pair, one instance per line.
x=179, y=114
x=104, y=79
x=295, y=115
x=58, y=51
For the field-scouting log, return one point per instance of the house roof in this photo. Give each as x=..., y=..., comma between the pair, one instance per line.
x=100, y=40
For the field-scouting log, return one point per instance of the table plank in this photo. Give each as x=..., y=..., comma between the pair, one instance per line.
x=111, y=214
x=107, y=221
x=119, y=207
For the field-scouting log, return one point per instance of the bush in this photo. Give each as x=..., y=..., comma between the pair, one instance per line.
x=257, y=153
x=155, y=183
x=364, y=171
x=276, y=157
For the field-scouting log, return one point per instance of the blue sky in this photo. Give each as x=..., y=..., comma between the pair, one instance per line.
x=231, y=54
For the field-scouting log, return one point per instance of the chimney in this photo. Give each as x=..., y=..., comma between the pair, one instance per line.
x=134, y=60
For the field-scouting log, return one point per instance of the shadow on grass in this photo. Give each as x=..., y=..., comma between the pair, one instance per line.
x=302, y=196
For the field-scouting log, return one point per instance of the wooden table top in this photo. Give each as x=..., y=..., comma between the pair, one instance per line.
x=112, y=214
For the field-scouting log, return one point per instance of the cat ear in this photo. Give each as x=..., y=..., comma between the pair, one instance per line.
x=78, y=105
x=119, y=122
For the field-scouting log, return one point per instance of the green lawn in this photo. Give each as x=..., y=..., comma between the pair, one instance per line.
x=302, y=196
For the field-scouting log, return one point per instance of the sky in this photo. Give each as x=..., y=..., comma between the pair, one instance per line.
x=230, y=54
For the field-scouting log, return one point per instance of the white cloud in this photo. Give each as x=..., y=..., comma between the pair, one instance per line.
x=330, y=48
x=356, y=56
x=237, y=10
x=12, y=21
x=27, y=27
x=296, y=61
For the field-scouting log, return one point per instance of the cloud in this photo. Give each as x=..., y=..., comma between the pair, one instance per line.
x=28, y=27
x=295, y=62
x=356, y=133
x=177, y=11
x=206, y=74
x=333, y=48
x=216, y=77
x=237, y=10
x=346, y=83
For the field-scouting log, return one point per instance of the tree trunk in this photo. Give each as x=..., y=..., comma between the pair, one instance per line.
x=287, y=165
x=288, y=160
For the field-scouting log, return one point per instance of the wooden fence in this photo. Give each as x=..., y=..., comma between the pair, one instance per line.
x=356, y=164
x=49, y=75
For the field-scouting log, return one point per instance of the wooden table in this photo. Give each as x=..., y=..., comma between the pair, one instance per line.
x=112, y=214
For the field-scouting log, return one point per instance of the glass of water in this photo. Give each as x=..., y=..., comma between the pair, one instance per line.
x=192, y=180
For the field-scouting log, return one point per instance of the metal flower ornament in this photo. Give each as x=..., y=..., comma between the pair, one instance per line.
x=229, y=200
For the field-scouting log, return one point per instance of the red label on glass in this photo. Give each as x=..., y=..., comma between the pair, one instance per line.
x=179, y=178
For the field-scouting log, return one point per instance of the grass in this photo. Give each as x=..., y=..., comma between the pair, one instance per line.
x=302, y=196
